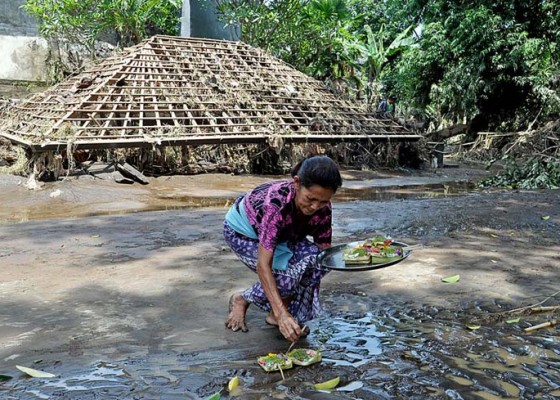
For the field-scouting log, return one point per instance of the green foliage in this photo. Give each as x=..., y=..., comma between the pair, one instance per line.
x=324, y=38
x=376, y=54
x=311, y=35
x=84, y=21
x=533, y=174
x=334, y=10
x=498, y=59
x=133, y=20
x=74, y=20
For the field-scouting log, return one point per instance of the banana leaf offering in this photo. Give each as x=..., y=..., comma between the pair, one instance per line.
x=377, y=250
x=275, y=362
x=305, y=357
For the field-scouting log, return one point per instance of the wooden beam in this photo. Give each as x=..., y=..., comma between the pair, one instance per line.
x=141, y=142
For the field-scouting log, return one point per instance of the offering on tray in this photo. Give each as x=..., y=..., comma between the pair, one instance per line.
x=377, y=250
x=304, y=357
x=356, y=255
x=275, y=362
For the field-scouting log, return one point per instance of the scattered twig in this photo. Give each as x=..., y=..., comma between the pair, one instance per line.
x=281, y=372
x=545, y=308
x=548, y=324
x=530, y=127
x=522, y=309
x=504, y=315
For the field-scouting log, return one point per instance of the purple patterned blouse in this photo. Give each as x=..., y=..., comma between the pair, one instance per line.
x=271, y=211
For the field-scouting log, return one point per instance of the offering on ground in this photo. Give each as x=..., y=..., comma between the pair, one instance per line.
x=304, y=357
x=275, y=362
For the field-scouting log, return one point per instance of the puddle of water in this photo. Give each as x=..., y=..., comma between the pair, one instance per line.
x=391, y=351
x=166, y=201
x=404, y=192
x=85, y=199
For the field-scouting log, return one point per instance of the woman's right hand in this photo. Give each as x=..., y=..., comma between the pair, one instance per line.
x=288, y=326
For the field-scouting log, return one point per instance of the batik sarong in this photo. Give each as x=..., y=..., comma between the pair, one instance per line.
x=300, y=281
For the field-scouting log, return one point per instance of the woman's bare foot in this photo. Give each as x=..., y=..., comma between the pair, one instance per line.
x=237, y=309
x=271, y=319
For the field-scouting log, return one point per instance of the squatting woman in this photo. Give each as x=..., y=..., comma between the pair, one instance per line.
x=268, y=229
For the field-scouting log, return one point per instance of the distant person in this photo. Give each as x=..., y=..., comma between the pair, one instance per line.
x=267, y=228
x=387, y=107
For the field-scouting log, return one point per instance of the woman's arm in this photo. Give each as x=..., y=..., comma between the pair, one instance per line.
x=287, y=324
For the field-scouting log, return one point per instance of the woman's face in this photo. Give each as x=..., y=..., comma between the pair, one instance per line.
x=309, y=200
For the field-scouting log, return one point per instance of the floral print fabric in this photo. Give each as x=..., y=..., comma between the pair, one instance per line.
x=270, y=209
x=300, y=281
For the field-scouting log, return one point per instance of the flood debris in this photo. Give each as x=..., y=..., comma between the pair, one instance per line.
x=132, y=173
x=121, y=172
x=547, y=324
x=98, y=169
x=32, y=183
x=119, y=178
x=509, y=315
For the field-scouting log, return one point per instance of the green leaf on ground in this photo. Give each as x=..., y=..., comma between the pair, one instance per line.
x=473, y=327
x=215, y=396
x=35, y=373
x=546, y=217
x=327, y=385
x=513, y=321
x=233, y=383
x=451, y=279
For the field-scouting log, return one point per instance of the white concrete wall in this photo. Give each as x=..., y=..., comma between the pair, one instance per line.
x=23, y=58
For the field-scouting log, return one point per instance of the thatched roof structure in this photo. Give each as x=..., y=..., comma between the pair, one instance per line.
x=187, y=91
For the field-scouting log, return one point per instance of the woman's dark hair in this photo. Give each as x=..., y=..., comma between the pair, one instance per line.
x=318, y=170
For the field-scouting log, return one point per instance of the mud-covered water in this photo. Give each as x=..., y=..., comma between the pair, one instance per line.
x=79, y=199
x=379, y=351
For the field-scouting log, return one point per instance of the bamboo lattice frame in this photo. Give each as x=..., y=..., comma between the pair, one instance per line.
x=180, y=91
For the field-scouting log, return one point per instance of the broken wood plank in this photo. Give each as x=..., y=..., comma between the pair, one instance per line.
x=130, y=172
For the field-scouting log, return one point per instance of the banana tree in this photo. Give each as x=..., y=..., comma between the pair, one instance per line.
x=375, y=55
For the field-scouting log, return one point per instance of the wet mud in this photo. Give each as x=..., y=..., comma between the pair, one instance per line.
x=390, y=352
x=122, y=303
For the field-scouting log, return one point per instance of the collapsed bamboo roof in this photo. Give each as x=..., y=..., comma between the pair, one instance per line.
x=184, y=91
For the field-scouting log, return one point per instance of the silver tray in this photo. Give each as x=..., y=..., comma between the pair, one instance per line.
x=332, y=258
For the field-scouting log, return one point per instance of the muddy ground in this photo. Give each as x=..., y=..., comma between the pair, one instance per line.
x=121, y=291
